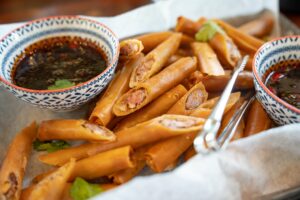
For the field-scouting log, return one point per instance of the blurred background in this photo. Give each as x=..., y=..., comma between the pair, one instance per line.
x=22, y=10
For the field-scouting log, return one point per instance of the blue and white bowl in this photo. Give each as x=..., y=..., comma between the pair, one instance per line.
x=14, y=43
x=275, y=51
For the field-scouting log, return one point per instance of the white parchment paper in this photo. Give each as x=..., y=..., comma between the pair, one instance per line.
x=257, y=165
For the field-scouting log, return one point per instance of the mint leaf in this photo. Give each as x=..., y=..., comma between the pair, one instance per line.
x=207, y=31
x=50, y=146
x=60, y=84
x=82, y=190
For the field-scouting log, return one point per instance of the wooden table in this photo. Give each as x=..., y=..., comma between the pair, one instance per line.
x=22, y=10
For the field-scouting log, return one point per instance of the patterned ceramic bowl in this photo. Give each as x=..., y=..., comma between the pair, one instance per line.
x=14, y=43
x=275, y=51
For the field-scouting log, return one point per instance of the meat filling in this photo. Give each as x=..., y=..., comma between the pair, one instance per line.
x=233, y=51
x=129, y=49
x=143, y=68
x=94, y=128
x=135, y=98
x=178, y=123
x=13, y=186
x=194, y=99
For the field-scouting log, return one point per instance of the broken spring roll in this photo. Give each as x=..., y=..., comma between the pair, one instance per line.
x=207, y=59
x=190, y=101
x=155, y=60
x=14, y=164
x=73, y=129
x=259, y=27
x=130, y=48
x=102, y=113
x=192, y=79
x=142, y=134
x=125, y=175
x=188, y=26
x=158, y=107
x=52, y=186
x=257, y=119
x=146, y=92
x=245, y=42
x=226, y=50
x=103, y=163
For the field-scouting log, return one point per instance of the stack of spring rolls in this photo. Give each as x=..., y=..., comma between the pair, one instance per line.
x=166, y=85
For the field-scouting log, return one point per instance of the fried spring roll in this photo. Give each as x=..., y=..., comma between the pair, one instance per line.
x=188, y=154
x=102, y=113
x=125, y=175
x=260, y=27
x=155, y=60
x=52, y=186
x=190, y=101
x=165, y=152
x=130, y=48
x=146, y=92
x=173, y=59
x=188, y=26
x=201, y=112
x=158, y=107
x=257, y=119
x=14, y=164
x=73, y=129
x=218, y=83
x=103, y=163
x=41, y=176
x=207, y=59
x=144, y=133
x=192, y=79
x=226, y=50
x=244, y=42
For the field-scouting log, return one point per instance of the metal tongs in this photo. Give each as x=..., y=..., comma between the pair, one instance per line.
x=208, y=140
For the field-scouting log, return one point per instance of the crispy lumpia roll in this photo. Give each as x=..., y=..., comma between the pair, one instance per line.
x=41, y=176
x=102, y=113
x=257, y=119
x=190, y=101
x=259, y=27
x=165, y=152
x=130, y=48
x=14, y=163
x=207, y=59
x=103, y=163
x=158, y=107
x=151, y=40
x=146, y=92
x=73, y=129
x=188, y=154
x=244, y=42
x=52, y=186
x=188, y=26
x=173, y=59
x=218, y=83
x=125, y=175
x=155, y=60
x=192, y=79
x=226, y=50
x=142, y=134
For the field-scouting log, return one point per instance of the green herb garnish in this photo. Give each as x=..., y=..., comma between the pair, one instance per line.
x=60, y=84
x=82, y=190
x=207, y=31
x=50, y=146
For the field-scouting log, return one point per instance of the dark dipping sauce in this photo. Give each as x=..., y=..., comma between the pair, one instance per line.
x=283, y=79
x=58, y=62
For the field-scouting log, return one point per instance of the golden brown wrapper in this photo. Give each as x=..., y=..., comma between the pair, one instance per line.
x=52, y=186
x=146, y=92
x=244, y=42
x=207, y=59
x=226, y=50
x=142, y=134
x=158, y=107
x=103, y=163
x=155, y=60
x=73, y=129
x=190, y=101
x=102, y=113
x=257, y=119
x=188, y=26
x=130, y=48
x=15, y=162
x=189, y=153
x=259, y=27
